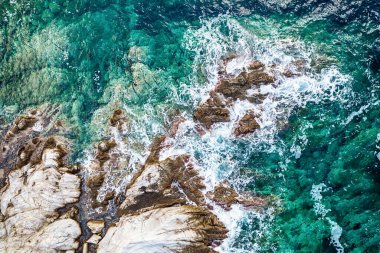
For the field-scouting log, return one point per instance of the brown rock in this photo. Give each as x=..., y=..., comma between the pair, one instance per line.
x=161, y=184
x=223, y=195
x=118, y=119
x=247, y=200
x=104, y=147
x=247, y=124
x=212, y=111
x=230, y=89
x=18, y=134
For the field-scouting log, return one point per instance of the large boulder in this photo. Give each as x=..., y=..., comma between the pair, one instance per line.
x=32, y=198
x=171, y=229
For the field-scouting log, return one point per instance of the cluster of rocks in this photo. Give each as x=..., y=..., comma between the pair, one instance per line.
x=216, y=108
x=33, y=200
x=49, y=206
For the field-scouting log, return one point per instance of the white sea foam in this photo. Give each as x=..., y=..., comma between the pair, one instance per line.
x=336, y=233
x=214, y=152
x=322, y=211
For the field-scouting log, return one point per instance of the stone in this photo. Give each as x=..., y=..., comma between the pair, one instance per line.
x=95, y=226
x=223, y=195
x=24, y=129
x=171, y=229
x=228, y=90
x=247, y=124
x=214, y=110
x=164, y=183
x=118, y=119
x=30, y=200
x=94, y=239
x=249, y=201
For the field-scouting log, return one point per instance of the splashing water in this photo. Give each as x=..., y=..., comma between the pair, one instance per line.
x=316, y=154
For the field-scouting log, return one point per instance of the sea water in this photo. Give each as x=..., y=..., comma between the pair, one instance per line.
x=315, y=156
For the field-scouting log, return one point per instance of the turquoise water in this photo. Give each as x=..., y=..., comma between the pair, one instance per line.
x=316, y=158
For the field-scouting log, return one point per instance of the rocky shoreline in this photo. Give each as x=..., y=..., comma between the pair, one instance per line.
x=48, y=205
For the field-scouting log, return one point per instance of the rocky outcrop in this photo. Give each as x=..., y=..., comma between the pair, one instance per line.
x=99, y=170
x=171, y=229
x=216, y=109
x=236, y=87
x=118, y=119
x=23, y=130
x=164, y=183
x=38, y=187
x=160, y=206
x=225, y=195
x=246, y=125
x=164, y=209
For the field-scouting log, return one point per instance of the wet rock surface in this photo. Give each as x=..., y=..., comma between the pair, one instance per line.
x=229, y=90
x=247, y=124
x=225, y=196
x=165, y=183
x=164, y=206
x=214, y=110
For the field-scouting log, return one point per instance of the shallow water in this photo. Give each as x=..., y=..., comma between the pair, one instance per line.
x=317, y=154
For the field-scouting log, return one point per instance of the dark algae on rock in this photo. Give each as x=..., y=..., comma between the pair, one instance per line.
x=189, y=126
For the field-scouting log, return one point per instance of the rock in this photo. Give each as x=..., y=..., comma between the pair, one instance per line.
x=34, y=192
x=103, y=151
x=223, y=195
x=172, y=131
x=96, y=226
x=237, y=87
x=94, y=239
x=214, y=110
x=228, y=91
x=171, y=229
x=98, y=173
x=85, y=248
x=247, y=124
x=164, y=183
x=21, y=131
x=118, y=119
x=249, y=201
